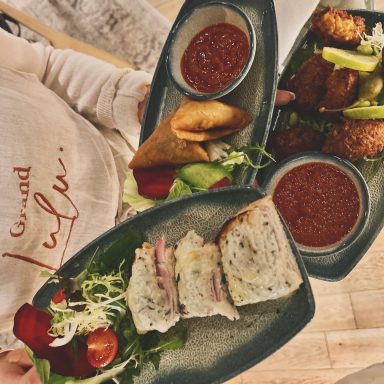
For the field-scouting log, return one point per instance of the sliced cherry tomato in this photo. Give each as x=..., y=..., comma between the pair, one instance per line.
x=102, y=347
x=154, y=182
x=224, y=182
x=59, y=296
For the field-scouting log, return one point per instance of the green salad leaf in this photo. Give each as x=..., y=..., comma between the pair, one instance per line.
x=107, y=259
x=179, y=188
x=43, y=367
x=131, y=195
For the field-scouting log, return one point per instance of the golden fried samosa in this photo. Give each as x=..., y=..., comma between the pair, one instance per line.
x=164, y=148
x=207, y=120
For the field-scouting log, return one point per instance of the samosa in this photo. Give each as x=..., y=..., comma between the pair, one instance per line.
x=207, y=120
x=163, y=147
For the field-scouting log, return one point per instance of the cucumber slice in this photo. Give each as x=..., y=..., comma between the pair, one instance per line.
x=376, y=112
x=350, y=59
x=202, y=175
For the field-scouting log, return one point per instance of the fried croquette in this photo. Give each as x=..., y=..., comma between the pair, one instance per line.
x=356, y=139
x=309, y=83
x=337, y=28
x=297, y=139
x=342, y=90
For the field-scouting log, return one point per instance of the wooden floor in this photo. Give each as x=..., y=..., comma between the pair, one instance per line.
x=347, y=332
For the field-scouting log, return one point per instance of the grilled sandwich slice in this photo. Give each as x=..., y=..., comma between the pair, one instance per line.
x=257, y=258
x=199, y=277
x=152, y=292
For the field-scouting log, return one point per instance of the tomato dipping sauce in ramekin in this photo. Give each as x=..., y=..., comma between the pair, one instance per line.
x=215, y=57
x=319, y=202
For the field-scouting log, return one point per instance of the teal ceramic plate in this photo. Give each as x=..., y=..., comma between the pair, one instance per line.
x=255, y=94
x=337, y=265
x=216, y=349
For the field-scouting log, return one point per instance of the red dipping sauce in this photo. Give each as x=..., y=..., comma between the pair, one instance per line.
x=215, y=57
x=319, y=202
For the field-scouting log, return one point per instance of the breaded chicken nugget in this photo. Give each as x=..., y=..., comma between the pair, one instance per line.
x=356, y=139
x=342, y=90
x=337, y=28
x=309, y=83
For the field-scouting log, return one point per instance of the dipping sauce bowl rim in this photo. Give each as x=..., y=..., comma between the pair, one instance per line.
x=237, y=80
x=276, y=174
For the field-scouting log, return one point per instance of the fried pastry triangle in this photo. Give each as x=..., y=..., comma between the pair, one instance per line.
x=207, y=120
x=164, y=148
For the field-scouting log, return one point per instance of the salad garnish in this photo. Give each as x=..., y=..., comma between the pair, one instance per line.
x=87, y=329
x=146, y=189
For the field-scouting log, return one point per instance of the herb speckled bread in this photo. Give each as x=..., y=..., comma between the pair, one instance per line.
x=152, y=292
x=257, y=259
x=199, y=276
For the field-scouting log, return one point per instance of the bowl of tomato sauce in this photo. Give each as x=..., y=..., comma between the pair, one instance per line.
x=323, y=199
x=211, y=50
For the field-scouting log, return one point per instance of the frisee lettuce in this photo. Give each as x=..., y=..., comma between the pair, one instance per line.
x=376, y=39
x=102, y=301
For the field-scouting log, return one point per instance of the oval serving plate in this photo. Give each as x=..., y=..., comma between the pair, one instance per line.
x=216, y=349
x=338, y=264
x=255, y=94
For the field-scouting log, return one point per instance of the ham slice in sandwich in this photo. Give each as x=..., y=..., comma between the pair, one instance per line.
x=152, y=292
x=199, y=276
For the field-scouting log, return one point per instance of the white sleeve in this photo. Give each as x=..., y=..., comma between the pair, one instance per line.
x=97, y=90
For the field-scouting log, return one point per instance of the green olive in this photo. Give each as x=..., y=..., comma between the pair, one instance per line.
x=370, y=87
x=363, y=75
x=363, y=103
x=293, y=119
x=365, y=49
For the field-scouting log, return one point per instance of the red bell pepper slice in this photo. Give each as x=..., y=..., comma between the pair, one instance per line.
x=154, y=183
x=31, y=326
x=224, y=182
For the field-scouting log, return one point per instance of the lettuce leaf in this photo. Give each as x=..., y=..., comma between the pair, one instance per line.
x=132, y=197
x=179, y=188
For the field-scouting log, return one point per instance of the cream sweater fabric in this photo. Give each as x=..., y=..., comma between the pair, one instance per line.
x=61, y=177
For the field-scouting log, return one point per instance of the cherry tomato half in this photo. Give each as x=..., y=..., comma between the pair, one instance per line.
x=102, y=347
x=59, y=296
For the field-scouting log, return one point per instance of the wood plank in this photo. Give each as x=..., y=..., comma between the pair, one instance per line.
x=310, y=348
x=368, y=307
x=236, y=380
x=355, y=348
x=321, y=287
x=333, y=312
x=367, y=275
x=378, y=244
x=371, y=375
x=320, y=376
